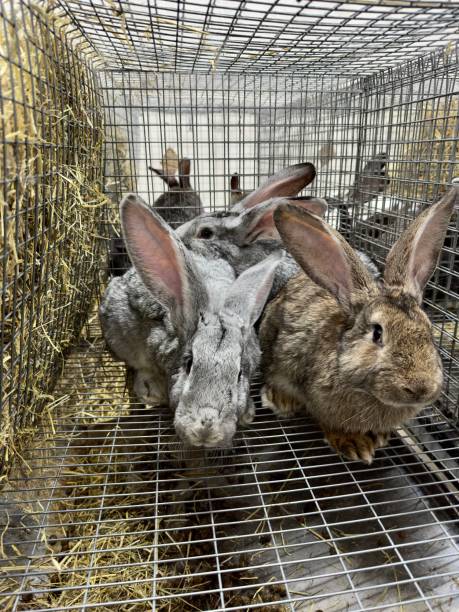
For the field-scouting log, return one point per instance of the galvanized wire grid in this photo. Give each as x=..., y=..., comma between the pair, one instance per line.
x=109, y=515
x=310, y=37
x=50, y=202
x=255, y=125
x=103, y=510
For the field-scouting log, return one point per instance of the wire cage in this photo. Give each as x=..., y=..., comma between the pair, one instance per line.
x=100, y=507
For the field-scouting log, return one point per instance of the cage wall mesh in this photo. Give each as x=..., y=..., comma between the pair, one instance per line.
x=51, y=201
x=103, y=509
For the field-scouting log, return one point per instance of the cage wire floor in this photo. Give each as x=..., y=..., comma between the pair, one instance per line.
x=105, y=512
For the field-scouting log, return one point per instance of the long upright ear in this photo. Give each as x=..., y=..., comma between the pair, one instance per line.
x=170, y=180
x=257, y=223
x=413, y=258
x=288, y=182
x=324, y=255
x=162, y=262
x=249, y=293
x=184, y=169
x=234, y=184
x=236, y=194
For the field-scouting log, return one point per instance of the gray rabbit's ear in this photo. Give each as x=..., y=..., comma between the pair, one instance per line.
x=170, y=180
x=317, y=206
x=413, y=258
x=257, y=223
x=288, y=182
x=184, y=169
x=162, y=262
x=324, y=255
x=249, y=293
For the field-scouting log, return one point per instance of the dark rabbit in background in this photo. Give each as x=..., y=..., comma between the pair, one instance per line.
x=181, y=203
x=176, y=206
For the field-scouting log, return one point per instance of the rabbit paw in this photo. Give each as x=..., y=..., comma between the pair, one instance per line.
x=146, y=389
x=248, y=415
x=357, y=446
x=282, y=405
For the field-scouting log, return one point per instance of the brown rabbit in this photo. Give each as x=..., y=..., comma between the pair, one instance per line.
x=356, y=354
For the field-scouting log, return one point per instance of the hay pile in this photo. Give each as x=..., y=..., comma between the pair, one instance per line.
x=428, y=162
x=50, y=206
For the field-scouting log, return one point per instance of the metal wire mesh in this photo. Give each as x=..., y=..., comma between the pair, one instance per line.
x=104, y=509
x=50, y=203
x=109, y=514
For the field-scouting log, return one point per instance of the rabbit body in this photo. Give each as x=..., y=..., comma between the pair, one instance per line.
x=357, y=354
x=185, y=324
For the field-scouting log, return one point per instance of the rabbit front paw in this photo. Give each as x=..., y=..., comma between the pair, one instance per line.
x=357, y=447
x=282, y=405
x=249, y=413
x=147, y=390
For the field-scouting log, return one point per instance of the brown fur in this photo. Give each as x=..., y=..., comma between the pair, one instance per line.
x=318, y=348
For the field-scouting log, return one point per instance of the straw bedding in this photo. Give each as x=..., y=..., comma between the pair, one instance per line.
x=51, y=202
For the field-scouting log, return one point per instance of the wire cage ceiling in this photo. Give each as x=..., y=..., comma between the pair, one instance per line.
x=309, y=38
x=101, y=507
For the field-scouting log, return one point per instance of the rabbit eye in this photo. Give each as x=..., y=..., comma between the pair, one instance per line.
x=377, y=333
x=189, y=364
x=205, y=233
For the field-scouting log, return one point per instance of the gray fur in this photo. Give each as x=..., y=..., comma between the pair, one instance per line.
x=212, y=396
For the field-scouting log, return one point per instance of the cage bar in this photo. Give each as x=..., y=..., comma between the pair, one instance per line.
x=101, y=506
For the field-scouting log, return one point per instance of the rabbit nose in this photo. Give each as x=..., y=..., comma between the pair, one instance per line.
x=416, y=390
x=207, y=421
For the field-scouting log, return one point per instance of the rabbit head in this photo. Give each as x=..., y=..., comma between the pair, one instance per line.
x=244, y=228
x=181, y=203
x=386, y=349
x=252, y=218
x=216, y=350
x=211, y=390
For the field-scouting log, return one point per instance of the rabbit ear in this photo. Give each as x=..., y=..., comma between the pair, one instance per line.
x=184, y=168
x=235, y=183
x=288, y=182
x=248, y=295
x=162, y=262
x=324, y=255
x=170, y=180
x=413, y=258
x=317, y=206
x=257, y=223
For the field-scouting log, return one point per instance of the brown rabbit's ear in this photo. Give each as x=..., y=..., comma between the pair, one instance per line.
x=324, y=255
x=170, y=180
x=162, y=262
x=288, y=182
x=184, y=169
x=413, y=258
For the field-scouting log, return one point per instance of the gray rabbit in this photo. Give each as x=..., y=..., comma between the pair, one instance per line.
x=186, y=325
x=232, y=237
x=247, y=233
x=181, y=203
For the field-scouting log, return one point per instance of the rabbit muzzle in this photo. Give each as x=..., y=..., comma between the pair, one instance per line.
x=418, y=392
x=205, y=429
